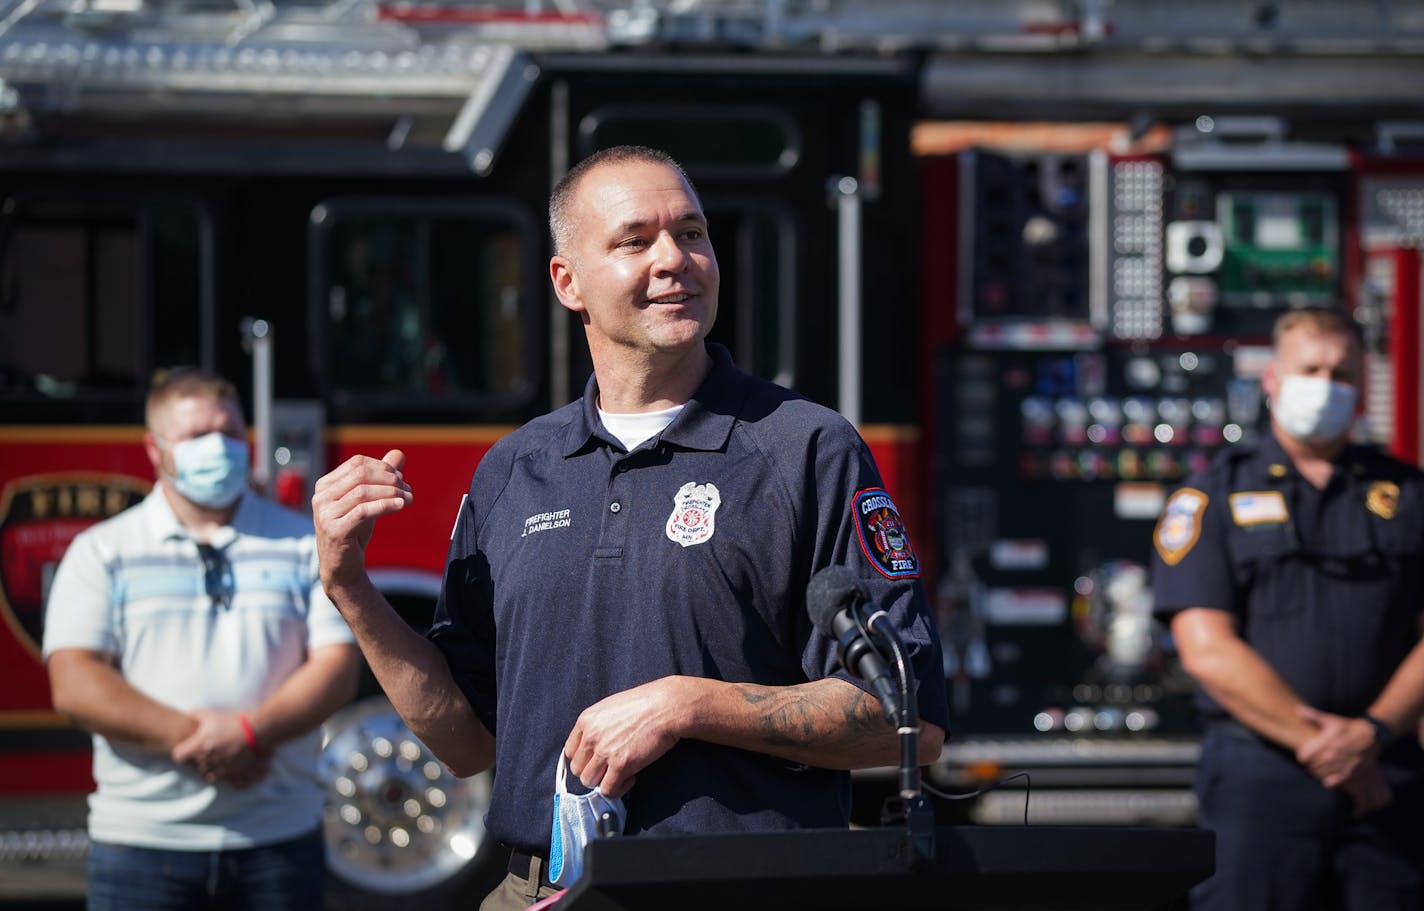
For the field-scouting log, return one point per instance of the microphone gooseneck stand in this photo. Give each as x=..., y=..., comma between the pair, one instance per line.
x=909, y=807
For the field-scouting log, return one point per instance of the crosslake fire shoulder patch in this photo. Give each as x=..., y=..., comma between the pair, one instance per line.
x=1180, y=525
x=883, y=537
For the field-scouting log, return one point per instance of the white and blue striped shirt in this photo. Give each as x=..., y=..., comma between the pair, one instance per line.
x=215, y=627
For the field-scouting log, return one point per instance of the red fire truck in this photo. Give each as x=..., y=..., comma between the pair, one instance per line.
x=1033, y=252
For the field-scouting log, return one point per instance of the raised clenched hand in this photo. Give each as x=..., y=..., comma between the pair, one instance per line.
x=345, y=506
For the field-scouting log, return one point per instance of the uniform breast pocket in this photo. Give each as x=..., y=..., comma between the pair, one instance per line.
x=1401, y=545
x=1259, y=555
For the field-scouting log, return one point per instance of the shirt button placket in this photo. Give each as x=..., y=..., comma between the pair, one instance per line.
x=618, y=505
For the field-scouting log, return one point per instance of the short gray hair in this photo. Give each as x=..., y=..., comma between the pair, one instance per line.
x=561, y=199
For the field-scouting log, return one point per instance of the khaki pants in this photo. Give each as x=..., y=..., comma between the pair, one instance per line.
x=515, y=893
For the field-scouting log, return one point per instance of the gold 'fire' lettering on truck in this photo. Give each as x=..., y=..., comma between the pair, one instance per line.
x=39, y=517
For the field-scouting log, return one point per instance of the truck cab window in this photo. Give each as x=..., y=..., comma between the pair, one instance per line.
x=756, y=249
x=422, y=304
x=94, y=293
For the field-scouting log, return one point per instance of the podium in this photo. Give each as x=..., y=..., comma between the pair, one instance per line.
x=1029, y=868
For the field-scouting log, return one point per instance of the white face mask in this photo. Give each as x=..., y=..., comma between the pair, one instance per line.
x=210, y=470
x=576, y=823
x=1314, y=409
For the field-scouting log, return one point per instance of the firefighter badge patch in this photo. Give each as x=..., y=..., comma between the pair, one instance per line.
x=694, y=514
x=1180, y=526
x=883, y=537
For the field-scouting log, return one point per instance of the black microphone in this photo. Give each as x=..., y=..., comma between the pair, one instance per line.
x=835, y=598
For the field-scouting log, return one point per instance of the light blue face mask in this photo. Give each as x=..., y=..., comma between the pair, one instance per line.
x=578, y=820
x=211, y=470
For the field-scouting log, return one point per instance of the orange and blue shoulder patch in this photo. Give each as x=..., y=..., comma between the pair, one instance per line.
x=1180, y=525
x=883, y=537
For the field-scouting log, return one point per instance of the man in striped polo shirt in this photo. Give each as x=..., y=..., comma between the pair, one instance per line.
x=191, y=636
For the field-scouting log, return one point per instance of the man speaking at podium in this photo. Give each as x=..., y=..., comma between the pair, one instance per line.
x=626, y=581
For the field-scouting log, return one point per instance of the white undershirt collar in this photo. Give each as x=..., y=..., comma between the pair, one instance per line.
x=633, y=429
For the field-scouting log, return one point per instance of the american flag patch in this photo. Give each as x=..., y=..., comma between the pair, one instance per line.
x=1258, y=507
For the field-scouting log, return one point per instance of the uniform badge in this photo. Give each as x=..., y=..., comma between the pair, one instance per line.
x=883, y=537
x=1180, y=526
x=694, y=514
x=1258, y=507
x=1383, y=499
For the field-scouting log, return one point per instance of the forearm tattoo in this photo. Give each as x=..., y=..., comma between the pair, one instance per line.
x=795, y=716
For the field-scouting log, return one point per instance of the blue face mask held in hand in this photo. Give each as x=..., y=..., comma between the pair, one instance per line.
x=576, y=823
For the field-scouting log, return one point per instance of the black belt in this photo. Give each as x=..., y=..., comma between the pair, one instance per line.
x=520, y=862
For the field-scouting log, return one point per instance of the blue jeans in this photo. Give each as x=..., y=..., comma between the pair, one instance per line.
x=288, y=876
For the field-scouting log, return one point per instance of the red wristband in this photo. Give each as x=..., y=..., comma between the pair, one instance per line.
x=248, y=733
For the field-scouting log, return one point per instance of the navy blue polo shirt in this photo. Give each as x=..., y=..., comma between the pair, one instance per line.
x=578, y=570
x=1325, y=584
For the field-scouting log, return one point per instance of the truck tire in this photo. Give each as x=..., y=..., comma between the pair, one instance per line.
x=401, y=830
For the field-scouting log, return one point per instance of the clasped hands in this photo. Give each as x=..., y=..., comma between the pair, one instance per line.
x=219, y=751
x=1342, y=754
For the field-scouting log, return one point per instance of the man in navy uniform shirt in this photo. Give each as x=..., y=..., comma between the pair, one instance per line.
x=1293, y=571
x=626, y=579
